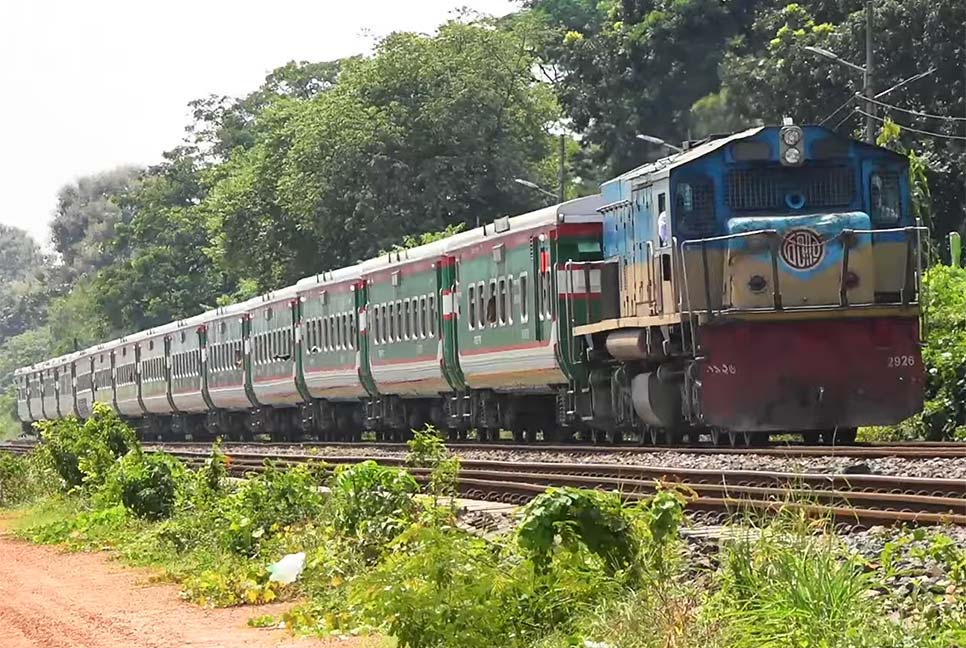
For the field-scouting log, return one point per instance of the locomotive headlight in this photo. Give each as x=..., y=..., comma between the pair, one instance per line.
x=791, y=144
x=792, y=136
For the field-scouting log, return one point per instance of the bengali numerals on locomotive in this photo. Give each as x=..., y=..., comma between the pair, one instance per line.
x=722, y=369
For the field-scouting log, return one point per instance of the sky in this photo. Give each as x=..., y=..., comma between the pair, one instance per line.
x=88, y=86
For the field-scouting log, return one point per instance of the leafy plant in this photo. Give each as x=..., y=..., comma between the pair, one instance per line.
x=426, y=450
x=147, y=484
x=437, y=588
x=266, y=503
x=21, y=478
x=82, y=454
x=572, y=518
x=371, y=503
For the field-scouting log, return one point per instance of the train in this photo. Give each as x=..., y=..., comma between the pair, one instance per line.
x=757, y=283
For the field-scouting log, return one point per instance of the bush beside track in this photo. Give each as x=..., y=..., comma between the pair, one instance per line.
x=581, y=569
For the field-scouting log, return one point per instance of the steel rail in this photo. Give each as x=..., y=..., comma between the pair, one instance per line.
x=852, y=499
x=934, y=450
x=918, y=450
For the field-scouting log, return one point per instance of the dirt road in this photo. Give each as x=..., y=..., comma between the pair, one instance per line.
x=52, y=599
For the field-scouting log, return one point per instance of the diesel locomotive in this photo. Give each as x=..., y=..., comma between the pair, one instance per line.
x=761, y=282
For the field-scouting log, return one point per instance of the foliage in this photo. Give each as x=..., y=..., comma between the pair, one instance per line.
x=436, y=588
x=371, y=503
x=425, y=134
x=82, y=454
x=802, y=592
x=146, y=484
x=426, y=450
x=266, y=503
x=22, y=478
x=573, y=518
x=944, y=354
x=87, y=213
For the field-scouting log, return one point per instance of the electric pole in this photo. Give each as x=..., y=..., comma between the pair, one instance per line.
x=562, y=180
x=869, y=95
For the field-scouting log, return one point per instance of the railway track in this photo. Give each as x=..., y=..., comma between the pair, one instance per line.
x=916, y=450
x=856, y=500
x=926, y=450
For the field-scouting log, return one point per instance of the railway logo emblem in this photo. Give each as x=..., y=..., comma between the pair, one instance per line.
x=802, y=249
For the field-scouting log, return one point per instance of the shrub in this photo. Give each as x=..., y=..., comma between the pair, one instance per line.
x=371, y=503
x=20, y=479
x=147, y=484
x=426, y=450
x=82, y=454
x=266, y=503
x=437, y=587
x=944, y=355
x=574, y=518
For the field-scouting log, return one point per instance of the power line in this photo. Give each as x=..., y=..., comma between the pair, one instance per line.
x=913, y=112
x=836, y=111
x=845, y=119
x=915, y=130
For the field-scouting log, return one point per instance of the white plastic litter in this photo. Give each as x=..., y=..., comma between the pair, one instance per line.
x=288, y=569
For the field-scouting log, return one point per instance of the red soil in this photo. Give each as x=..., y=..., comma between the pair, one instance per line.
x=52, y=599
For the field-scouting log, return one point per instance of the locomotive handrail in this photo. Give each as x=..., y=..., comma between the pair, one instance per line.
x=908, y=271
x=703, y=242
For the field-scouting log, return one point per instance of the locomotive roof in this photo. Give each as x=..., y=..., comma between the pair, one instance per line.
x=663, y=166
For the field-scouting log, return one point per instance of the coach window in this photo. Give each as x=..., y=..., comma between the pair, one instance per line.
x=376, y=325
x=491, y=314
x=504, y=310
x=392, y=322
x=522, y=292
x=423, y=318
x=480, y=304
x=407, y=320
x=432, y=315
x=471, y=300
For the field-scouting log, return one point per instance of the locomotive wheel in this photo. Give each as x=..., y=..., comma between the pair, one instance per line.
x=717, y=438
x=739, y=439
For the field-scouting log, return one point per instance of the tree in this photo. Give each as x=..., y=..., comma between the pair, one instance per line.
x=163, y=272
x=428, y=132
x=222, y=123
x=86, y=217
x=778, y=77
x=635, y=66
x=20, y=255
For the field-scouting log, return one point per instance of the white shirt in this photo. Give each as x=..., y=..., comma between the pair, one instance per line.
x=663, y=229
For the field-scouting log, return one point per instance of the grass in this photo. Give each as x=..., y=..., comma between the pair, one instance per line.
x=580, y=571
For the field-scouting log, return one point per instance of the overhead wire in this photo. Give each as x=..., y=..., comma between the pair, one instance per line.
x=836, y=111
x=911, y=112
x=914, y=130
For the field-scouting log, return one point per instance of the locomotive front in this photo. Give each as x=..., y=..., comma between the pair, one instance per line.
x=766, y=281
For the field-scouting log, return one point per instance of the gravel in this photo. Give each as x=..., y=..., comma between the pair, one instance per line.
x=949, y=468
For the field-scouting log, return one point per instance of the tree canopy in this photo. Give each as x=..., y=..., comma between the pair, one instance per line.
x=330, y=162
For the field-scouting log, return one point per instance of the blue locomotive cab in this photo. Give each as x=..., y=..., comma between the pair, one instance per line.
x=771, y=218
x=777, y=242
